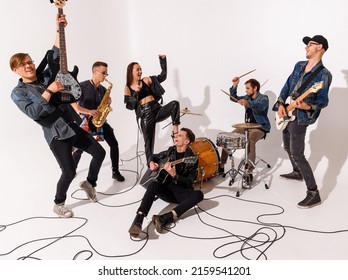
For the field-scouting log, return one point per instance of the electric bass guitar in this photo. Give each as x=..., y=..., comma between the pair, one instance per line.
x=282, y=122
x=59, y=71
x=161, y=175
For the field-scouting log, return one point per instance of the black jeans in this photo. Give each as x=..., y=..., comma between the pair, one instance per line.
x=62, y=150
x=110, y=139
x=153, y=113
x=294, y=144
x=172, y=193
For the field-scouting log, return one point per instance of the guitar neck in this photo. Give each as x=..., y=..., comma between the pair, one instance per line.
x=173, y=162
x=62, y=46
x=300, y=98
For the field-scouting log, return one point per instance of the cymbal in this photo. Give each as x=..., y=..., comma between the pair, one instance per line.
x=187, y=111
x=247, y=125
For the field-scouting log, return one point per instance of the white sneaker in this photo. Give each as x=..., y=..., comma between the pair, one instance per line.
x=89, y=190
x=62, y=211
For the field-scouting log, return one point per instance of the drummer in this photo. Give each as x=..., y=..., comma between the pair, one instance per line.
x=256, y=109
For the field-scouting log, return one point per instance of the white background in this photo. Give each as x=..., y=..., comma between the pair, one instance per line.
x=207, y=43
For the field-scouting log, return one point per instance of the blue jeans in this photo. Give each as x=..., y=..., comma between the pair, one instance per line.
x=294, y=144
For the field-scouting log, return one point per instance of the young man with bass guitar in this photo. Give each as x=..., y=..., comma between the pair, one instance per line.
x=33, y=97
x=305, y=109
x=176, y=188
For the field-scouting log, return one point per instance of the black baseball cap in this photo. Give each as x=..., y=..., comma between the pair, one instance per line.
x=318, y=39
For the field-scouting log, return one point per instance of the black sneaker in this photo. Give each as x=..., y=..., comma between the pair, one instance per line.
x=312, y=199
x=221, y=170
x=294, y=175
x=117, y=175
x=135, y=228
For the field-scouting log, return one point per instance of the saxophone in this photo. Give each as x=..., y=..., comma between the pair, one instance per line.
x=104, y=107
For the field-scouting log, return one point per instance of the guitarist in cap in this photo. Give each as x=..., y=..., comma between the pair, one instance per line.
x=306, y=111
x=179, y=189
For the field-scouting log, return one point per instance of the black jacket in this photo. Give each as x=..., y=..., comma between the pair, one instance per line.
x=186, y=172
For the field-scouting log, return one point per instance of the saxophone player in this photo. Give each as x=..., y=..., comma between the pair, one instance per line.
x=93, y=94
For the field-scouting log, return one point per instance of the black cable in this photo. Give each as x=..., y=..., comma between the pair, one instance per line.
x=259, y=241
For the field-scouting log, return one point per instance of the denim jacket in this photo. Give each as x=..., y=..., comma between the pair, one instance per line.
x=317, y=100
x=259, y=107
x=28, y=98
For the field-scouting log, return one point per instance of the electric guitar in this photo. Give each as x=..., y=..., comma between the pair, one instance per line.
x=59, y=71
x=161, y=175
x=282, y=122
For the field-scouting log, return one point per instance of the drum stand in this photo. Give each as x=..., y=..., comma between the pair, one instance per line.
x=247, y=177
x=232, y=172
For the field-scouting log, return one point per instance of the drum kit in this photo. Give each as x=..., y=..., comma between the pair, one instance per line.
x=209, y=158
x=231, y=142
x=208, y=155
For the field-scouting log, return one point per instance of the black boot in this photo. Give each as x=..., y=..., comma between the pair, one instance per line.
x=294, y=175
x=136, y=226
x=161, y=220
x=312, y=199
x=117, y=175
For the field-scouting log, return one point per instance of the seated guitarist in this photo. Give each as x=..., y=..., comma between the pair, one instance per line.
x=179, y=189
x=305, y=74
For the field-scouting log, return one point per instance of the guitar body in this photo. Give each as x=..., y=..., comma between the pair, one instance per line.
x=161, y=175
x=72, y=91
x=282, y=122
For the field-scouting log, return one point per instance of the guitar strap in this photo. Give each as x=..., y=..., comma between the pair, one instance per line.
x=42, y=64
x=305, y=84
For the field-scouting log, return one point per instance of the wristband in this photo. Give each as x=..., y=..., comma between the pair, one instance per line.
x=49, y=91
x=281, y=104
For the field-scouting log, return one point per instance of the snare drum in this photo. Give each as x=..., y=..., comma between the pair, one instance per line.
x=230, y=140
x=208, y=158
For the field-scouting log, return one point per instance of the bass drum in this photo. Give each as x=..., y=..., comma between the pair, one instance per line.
x=208, y=158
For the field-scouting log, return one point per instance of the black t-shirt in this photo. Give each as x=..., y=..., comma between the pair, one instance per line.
x=92, y=95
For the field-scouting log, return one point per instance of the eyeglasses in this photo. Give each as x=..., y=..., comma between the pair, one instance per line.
x=23, y=64
x=104, y=73
x=312, y=44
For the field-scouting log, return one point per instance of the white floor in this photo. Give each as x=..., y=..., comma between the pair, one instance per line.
x=262, y=224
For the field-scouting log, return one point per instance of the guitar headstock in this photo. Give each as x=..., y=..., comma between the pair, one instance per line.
x=317, y=86
x=192, y=159
x=59, y=3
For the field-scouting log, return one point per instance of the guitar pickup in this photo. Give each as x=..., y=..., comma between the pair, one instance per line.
x=67, y=87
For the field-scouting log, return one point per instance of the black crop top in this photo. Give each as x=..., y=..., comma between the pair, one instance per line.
x=144, y=91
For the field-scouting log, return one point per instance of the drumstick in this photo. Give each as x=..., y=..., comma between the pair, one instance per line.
x=264, y=83
x=246, y=73
x=235, y=99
